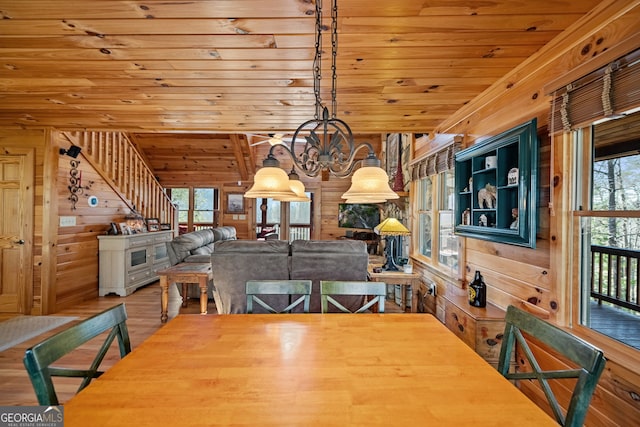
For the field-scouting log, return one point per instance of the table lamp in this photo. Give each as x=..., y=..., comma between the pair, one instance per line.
x=390, y=227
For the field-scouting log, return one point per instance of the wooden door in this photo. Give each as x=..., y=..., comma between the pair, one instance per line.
x=16, y=218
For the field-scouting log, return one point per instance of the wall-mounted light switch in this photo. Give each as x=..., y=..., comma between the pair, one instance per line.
x=67, y=221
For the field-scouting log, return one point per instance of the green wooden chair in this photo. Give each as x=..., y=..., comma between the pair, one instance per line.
x=376, y=290
x=590, y=362
x=254, y=288
x=38, y=359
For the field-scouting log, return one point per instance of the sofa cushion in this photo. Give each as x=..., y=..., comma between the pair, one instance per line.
x=181, y=246
x=203, y=250
x=198, y=258
x=225, y=232
x=317, y=260
x=236, y=261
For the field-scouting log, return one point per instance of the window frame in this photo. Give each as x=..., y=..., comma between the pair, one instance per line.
x=435, y=203
x=574, y=146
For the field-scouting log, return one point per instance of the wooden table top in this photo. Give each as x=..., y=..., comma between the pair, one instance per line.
x=187, y=267
x=302, y=370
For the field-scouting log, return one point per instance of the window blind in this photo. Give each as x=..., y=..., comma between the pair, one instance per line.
x=606, y=92
x=435, y=163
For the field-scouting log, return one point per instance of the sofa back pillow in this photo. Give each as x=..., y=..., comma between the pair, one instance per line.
x=234, y=262
x=318, y=260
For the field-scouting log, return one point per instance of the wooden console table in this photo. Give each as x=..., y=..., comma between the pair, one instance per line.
x=403, y=279
x=185, y=273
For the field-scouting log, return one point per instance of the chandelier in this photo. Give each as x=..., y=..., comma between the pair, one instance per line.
x=324, y=143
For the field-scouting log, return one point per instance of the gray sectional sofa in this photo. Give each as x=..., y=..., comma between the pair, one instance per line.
x=197, y=247
x=235, y=262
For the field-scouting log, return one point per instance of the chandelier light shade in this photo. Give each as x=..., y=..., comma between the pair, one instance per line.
x=297, y=187
x=270, y=182
x=370, y=182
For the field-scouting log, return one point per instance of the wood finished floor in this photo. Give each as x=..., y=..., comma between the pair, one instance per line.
x=143, y=309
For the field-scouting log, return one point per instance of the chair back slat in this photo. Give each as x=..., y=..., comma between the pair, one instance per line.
x=590, y=362
x=38, y=359
x=377, y=291
x=255, y=288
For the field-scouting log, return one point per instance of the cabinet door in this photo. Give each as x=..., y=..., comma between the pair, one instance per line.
x=496, y=188
x=138, y=258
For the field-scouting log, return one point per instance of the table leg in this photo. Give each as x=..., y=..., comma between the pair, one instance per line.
x=185, y=297
x=164, y=298
x=203, y=282
x=403, y=297
x=414, y=297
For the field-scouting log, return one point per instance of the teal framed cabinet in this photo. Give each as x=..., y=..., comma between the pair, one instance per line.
x=496, y=187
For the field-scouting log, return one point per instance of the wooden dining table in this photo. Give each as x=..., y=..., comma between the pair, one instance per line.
x=302, y=370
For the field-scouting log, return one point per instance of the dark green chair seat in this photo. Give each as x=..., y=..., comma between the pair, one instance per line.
x=255, y=288
x=38, y=359
x=377, y=291
x=588, y=359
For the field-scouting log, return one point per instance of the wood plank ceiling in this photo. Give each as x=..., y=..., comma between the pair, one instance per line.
x=245, y=66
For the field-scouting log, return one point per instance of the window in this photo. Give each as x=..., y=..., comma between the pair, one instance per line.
x=197, y=207
x=436, y=239
x=268, y=218
x=203, y=205
x=607, y=213
x=447, y=241
x=180, y=198
x=425, y=197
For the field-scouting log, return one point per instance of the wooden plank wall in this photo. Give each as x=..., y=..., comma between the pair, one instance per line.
x=77, y=246
x=533, y=279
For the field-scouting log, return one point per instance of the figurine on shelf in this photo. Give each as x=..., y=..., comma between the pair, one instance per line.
x=466, y=217
x=514, y=215
x=470, y=187
x=512, y=176
x=482, y=221
x=487, y=197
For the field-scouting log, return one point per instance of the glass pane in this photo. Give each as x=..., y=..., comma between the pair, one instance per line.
x=616, y=184
x=202, y=216
x=448, y=254
x=183, y=217
x=610, y=270
x=300, y=212
x=426, y=194
x=203, y=198
x=425, y=234
x=273, y=211
x=180, y=197
x=447, y=190
x=138, y=257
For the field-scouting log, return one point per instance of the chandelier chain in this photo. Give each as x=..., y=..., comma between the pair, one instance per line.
x=317, y=61
x=334, y=54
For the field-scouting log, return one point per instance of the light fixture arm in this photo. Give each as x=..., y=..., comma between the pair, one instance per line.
x=323, y=147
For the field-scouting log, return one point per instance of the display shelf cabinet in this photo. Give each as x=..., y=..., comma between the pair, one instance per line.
x=128, y=262
x=496, y=188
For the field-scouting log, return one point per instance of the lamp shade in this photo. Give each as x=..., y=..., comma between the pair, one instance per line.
x=370, y=182
x=391, y=227
x=270, y=182
x=298, y=188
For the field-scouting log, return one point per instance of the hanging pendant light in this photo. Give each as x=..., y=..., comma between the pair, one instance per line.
x=328, y=141
x=370, y=182
x=270, y=182
x=297, y=187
